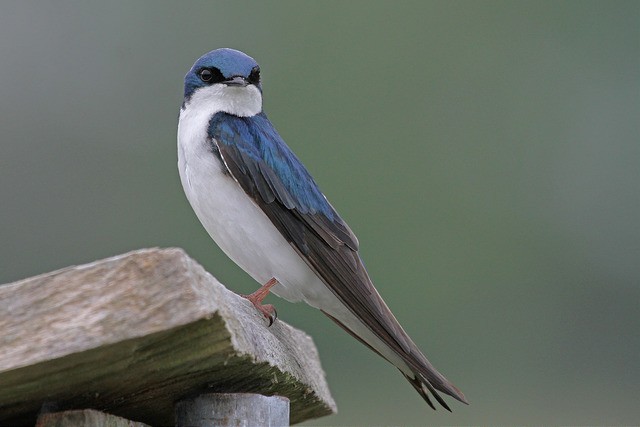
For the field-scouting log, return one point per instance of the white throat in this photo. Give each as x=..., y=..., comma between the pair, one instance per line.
x=239, y=101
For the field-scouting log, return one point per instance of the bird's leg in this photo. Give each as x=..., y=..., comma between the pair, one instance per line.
x=256, y=298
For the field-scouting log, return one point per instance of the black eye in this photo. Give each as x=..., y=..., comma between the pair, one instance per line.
x=206, y=75
x=210, y=75
x=254, y=77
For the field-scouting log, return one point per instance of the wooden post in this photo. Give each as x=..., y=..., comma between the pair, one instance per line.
x=233, y=409
x=131, y=335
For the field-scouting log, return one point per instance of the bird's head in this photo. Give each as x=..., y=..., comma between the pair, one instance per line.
x=226, y=79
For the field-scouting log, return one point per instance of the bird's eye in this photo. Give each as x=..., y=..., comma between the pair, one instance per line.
x=206, y=75
x=210, y=75
x=254, y=77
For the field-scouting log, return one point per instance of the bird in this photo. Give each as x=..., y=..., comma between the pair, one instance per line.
x=263, y=208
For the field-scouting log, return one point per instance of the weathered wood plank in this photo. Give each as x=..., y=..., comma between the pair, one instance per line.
x=135, y=333
x=84, y=418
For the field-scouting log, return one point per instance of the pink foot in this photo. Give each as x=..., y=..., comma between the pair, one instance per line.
x=256, y=298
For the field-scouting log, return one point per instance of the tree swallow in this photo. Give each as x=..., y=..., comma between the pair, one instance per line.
x=265, y=211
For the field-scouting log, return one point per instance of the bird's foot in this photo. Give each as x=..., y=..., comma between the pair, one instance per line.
x=267, y=310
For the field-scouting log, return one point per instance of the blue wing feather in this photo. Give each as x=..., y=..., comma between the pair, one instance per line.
x=271, y=171
x=265, y=153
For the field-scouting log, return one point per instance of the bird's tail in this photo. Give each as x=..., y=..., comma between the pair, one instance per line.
x=427, y=380
x=423, y=386
x=424, y=378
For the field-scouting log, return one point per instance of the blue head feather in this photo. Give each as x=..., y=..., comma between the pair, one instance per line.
x=230, y=62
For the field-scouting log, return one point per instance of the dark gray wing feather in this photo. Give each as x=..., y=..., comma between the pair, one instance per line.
x=317, y=233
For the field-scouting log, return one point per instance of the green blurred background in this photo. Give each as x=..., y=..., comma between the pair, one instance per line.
x=487, y=154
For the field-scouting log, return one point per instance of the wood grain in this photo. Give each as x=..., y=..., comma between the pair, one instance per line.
x=133, y=334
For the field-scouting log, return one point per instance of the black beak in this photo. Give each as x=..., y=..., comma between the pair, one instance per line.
x=236, y=81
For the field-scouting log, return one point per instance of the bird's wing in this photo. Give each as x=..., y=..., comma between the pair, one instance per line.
x=268, y=171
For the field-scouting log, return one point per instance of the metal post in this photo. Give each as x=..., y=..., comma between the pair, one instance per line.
x=233, y=409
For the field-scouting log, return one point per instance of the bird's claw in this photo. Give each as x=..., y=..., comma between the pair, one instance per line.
x=269, y=311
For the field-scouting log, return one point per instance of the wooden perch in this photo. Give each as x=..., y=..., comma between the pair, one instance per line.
x=133, y=334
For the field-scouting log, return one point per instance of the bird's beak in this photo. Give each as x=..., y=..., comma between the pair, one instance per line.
x=236, y=81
